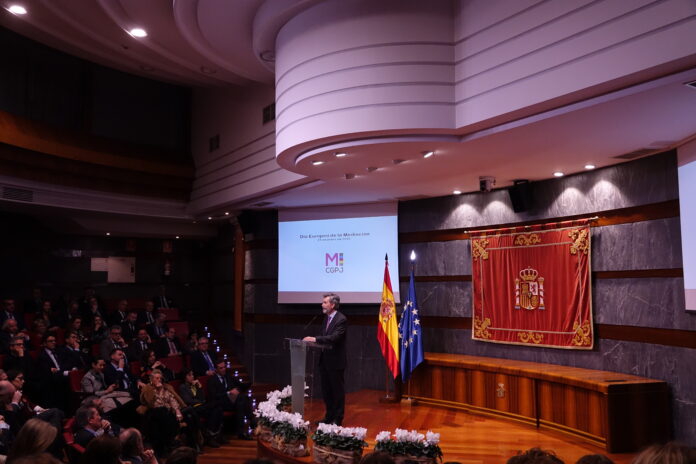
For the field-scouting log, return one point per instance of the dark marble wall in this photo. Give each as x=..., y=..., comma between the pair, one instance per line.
x=640, y=302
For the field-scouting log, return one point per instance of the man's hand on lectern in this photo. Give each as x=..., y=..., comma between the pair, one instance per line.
x=309, y=339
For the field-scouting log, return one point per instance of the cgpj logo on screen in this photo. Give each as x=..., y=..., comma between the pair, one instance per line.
x=333, y=263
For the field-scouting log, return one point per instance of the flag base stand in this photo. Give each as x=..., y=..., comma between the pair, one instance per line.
x=409, y=402
x=390, y=399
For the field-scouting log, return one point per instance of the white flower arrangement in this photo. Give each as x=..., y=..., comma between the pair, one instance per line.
x=342, y=438
x=409, y=443
x=290, y=426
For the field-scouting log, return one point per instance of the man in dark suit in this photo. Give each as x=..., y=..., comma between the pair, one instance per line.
x=120, y=314
x=147, y=316
x=116, y=372
x=141, y=344
x=9, y=311
x=169, y=345
x=70, y=354
x=158, y=329
x=202, y=360
x=332, y=361
x=91, y=425
x=53, y=373
x=230, y=394
x=115, y=340
x=129, y=327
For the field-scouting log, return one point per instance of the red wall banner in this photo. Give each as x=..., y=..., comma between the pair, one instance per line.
x=532, y=285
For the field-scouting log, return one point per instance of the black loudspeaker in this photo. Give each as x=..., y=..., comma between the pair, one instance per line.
x=247, y=221
x=521, y=196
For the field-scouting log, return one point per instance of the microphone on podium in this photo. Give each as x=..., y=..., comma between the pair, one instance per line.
x=310, y=323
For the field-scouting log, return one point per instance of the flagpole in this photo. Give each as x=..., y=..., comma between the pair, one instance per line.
x=408, y=401
x=388, y=398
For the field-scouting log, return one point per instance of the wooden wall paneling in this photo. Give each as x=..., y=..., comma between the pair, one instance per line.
x=436, y=380
x=478, y=388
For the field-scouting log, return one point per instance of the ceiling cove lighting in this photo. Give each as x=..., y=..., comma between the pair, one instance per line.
x=428, y=154
x=340, y=155
x=138, y=32
x=589, y=167
x=317, y=163
x=456, y=192
x=558, y=174
x=17, y=10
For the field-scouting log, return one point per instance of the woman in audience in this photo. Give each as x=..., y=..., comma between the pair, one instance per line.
x=48, y=316
x=669, y=453
x=163, y=414
x=75, y=326
x=33, y=438
x=191, y=391
x=149, y=363
x=99, y=331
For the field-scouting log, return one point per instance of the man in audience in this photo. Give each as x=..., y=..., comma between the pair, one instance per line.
x=229, y=393
x=27, y=410
x=158, y=329
x=114, y=341
x=92, y=309
x=132, y=448
x=202, y=359
x=120, y=314
x=147, y=317
x=19, y=360
x=90, y=425
x=169, y=345
x=9, y=311
x=535, y=456
x=10, y=330
x=130, y=326
x=53, y=374
x=161, y=300
x=115, y=372
x=71, y=354
x=141, y=344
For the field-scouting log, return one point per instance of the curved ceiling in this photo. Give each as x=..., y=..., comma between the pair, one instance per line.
x=189, y=42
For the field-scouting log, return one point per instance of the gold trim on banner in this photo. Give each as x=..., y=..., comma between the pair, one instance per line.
x=581, y=242
x=479, y=248
x=530, y=337
x=583, y=334
x=481, y=328
x=527, y=239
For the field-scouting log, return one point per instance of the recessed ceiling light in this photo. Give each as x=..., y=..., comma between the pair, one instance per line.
x=108, y=233
x=371, y=168
x=558, y=174
x=349, y=176
x=590, y=166
x=209, y=218
x=177, y=237
x=428, y=154
x=341, y=155
x=317, y=163
x=138, y=32
x=17, y=9
x=457, y=192
x=227, y=213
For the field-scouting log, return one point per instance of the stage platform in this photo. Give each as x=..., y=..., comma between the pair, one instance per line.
x=465, y=437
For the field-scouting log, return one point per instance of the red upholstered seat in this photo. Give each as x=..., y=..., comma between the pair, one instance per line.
x=171, y=313
x=173, y=363
x=72, y=449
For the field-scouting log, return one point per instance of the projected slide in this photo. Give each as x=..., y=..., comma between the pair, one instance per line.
x=340, y=255
x=687, y=194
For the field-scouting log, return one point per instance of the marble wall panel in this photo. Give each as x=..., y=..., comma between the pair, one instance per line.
x=447, y=299
x=261, y=263
x=436, y=258
x=644, y=181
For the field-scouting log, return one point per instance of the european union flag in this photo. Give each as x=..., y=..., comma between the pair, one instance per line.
x=410, y=334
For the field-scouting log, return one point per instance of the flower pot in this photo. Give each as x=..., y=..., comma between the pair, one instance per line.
x=294, y=448
x=328, y=455
x=264, y=433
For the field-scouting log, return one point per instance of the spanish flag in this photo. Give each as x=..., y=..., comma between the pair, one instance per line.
x=387, y=331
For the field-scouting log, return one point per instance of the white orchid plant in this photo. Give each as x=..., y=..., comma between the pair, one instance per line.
x=282, y=397
x=409, y=443
x=342, y=438
x=291, y=427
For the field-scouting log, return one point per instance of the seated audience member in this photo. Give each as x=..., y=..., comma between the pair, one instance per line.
x=162, y=408
x=115, y=372
x=193, y=395
x=98, y=332
x=26, y=409
x=183, y=455
x=90, y=425
x=75, y=325
x=20, y=360
x=118, y=316
x=141, y=344
x=105, y=449
x=130, y=326
x=3, y=374
x=96, y=402
x=161, y=300
x=93, y=382
x=9, y=311
x=53, y=374
x=377, y=457
x=168, y=345
x=148, y=316
x=535, y=456
x=229, y=393
x=594, y=459
x=191, y=344
x=9, y=331
x=38, y=329
x=149, y=363
x=133, y=450
x=669, y=453
x=43, y=458
x=158, y=329
x=34, y=438
x=72, y=311
x=47, y=314
x=91, y=310
x=115, y=341
x=202, y=359
x=33, y=304
x=71, y=354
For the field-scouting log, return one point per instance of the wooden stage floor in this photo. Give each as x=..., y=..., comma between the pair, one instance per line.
x=465, y=437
